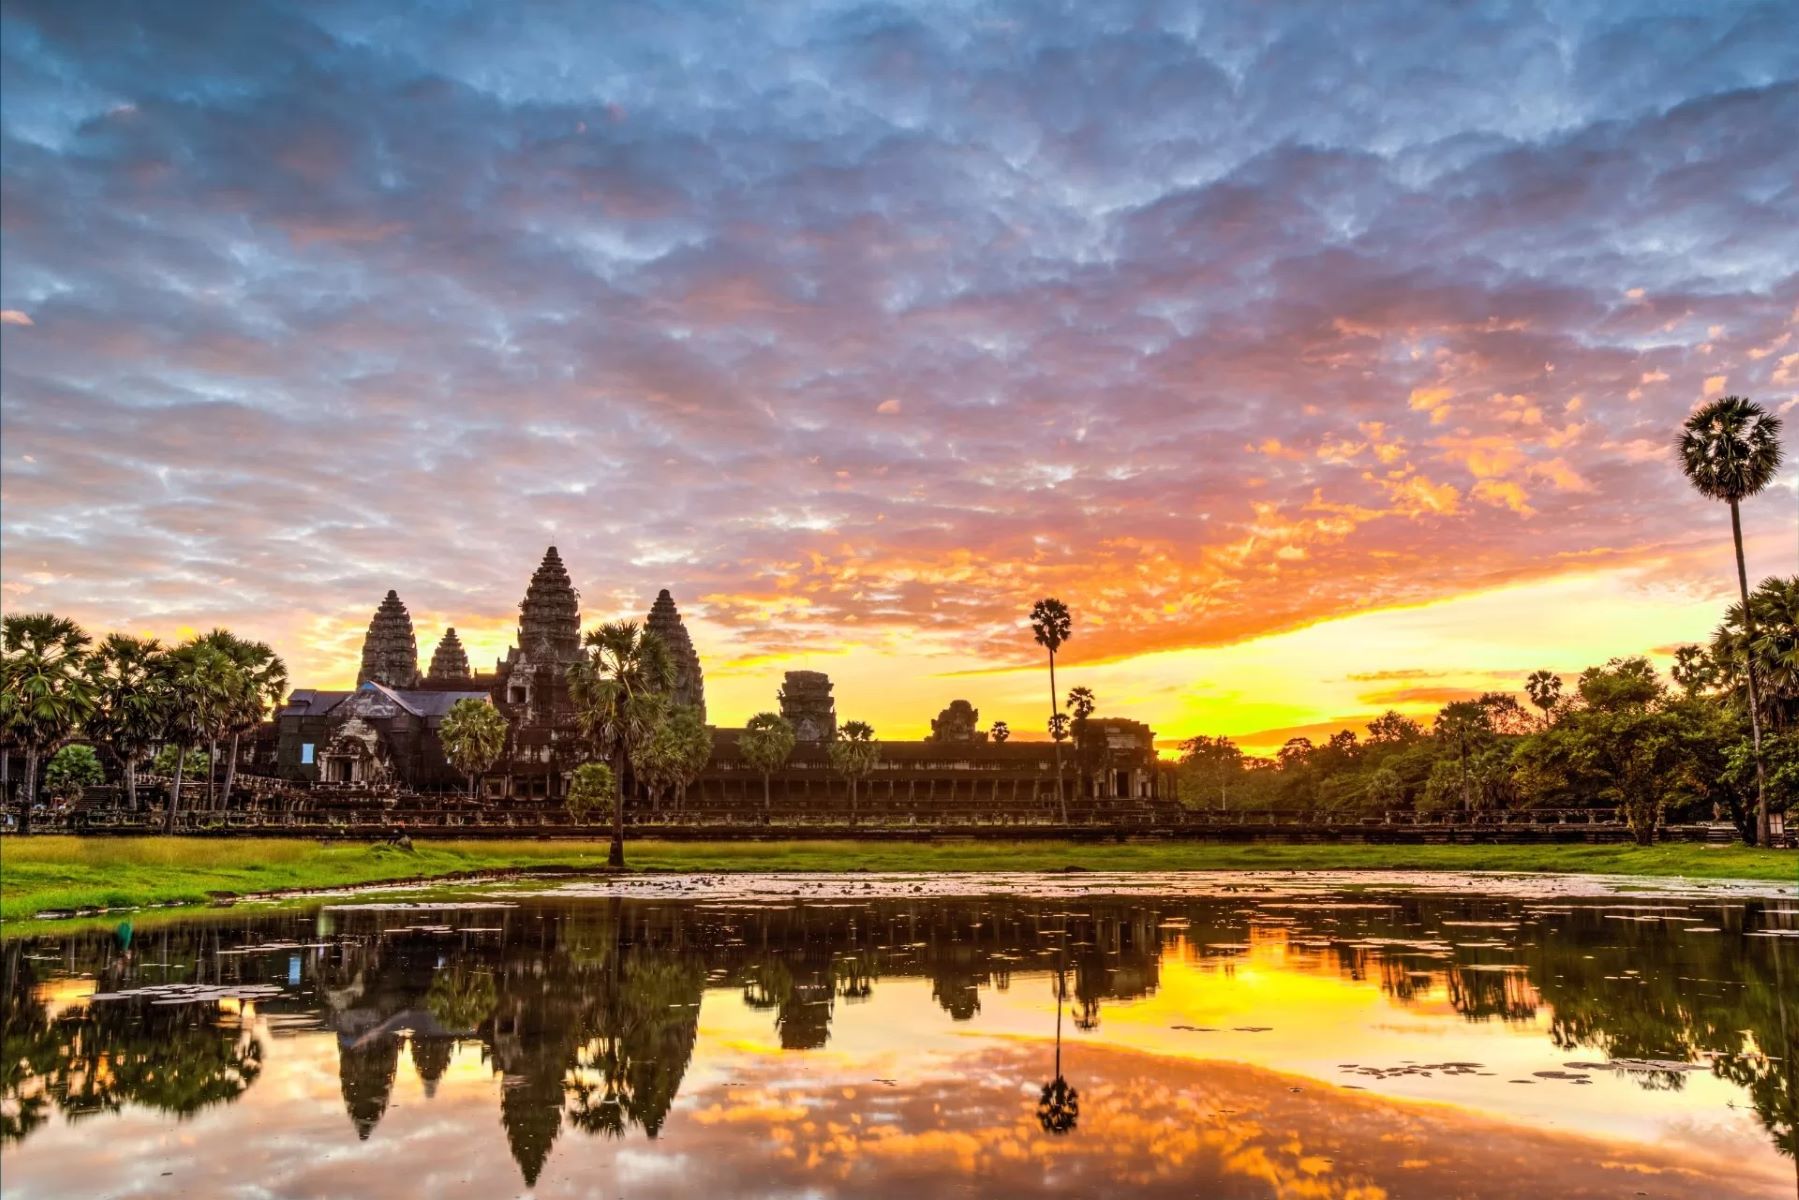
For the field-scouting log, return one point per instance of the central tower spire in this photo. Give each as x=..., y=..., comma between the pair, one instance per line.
x=549, y=622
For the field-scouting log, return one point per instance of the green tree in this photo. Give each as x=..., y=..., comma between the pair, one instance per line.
x=202, y=682
x=592, y=788
x=691, y=740
x=473, y=735
x=854, y=754
x=71, y=770
x=129, y=701
x=1213, y=764
x=1052, y=626
x=1080, y=708
x=46, y=693
x=617, y=688
x=1392, y=728
x=168, y=761
x=1461, y=729
x=1730, y=451
x=1545, y=691
x=766, y=742
x=1625, y=743
x=1773, y=649
x=1384, y=789
x=258, y=685
x=1695, y=670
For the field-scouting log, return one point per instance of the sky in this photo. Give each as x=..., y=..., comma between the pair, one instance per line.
x=1322, y=358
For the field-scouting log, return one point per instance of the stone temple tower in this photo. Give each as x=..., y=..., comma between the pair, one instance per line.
x=690, y=683
x=390, y=652
x=807, y=704
x=449, y=662
x=549, y=621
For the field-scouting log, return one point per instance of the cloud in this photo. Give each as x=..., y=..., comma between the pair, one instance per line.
x=332, y=299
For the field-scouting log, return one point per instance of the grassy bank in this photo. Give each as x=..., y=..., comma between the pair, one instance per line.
x=64, y=873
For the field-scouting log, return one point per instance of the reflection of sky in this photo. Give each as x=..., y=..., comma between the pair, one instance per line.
x=861, y=327
x=1162, y=1109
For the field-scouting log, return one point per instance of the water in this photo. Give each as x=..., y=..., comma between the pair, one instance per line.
x=1224, y=1036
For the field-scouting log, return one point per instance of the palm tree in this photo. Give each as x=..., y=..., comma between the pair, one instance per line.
x=766, y=742
x=1081, y=703
x=854, y=753
x=1730, y=450
x=1001, y=731
x=45, y=691
x=202, y=682
x=129, y=700
x=260, y=684
x=1774, y=607
x=473, y=733
x=1052, y=625
x=1545, y=691
x=1461, y=724
x=617, y=687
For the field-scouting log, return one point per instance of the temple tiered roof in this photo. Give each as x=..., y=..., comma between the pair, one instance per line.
x=390, y=652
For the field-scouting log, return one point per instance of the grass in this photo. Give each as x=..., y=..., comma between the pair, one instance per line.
x=66, y=873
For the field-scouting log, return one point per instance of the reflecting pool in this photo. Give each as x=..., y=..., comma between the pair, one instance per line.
x=869, y=1037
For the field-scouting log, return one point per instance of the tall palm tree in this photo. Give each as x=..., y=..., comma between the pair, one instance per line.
x=1730, y=450
x=1053, y=626
x=1545, y=691
x=260, y=683
x=618, y=688
x=45, y=692
x=129, y=701
x=202, y=681
x=1001, y=731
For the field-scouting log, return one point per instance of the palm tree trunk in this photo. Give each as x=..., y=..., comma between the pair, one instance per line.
x=230, y=774
x=1055, y=709
x=615, y=857
x=212, y=771
x=1762, y=836
x=131, y=783
x=471, y=785
x=168, y=817
x=767, y=804
x=30, y=795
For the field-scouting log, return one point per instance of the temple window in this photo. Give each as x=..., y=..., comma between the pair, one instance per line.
x=306, y=754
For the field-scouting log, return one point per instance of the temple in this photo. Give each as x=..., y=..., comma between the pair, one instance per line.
x=383, y=734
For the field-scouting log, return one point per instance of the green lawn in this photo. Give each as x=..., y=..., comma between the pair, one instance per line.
x=46, y=873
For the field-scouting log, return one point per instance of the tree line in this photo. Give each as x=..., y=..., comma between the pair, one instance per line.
x=129, y=696
x=1618, y=734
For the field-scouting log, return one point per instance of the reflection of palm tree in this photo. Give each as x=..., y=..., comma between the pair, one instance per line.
x=1059, y=1105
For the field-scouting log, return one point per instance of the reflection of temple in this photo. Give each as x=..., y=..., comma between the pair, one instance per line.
x=384, y=733
x=587, y=1014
